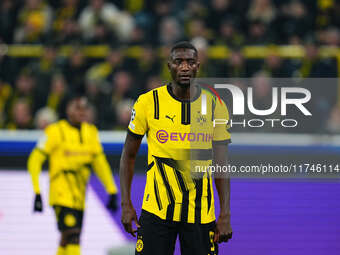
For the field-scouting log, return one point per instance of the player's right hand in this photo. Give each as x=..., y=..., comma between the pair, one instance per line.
x=223, y=231
x=38, y=206
x=128, y=216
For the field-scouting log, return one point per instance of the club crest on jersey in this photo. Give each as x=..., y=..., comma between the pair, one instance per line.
x=201, y=119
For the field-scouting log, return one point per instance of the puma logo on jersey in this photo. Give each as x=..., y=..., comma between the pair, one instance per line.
x=170, y=118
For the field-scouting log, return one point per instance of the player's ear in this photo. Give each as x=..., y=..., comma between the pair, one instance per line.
x=198, y=65
x=169, y=61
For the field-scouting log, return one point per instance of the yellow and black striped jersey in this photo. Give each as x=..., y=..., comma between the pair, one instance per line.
x=179, y=136
x=71, y=152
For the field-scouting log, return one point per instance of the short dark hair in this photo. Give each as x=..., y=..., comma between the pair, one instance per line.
x=67, y=100
x=74, y=96
x=183, y=45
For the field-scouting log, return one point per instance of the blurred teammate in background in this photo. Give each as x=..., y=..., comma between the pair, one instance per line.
x=72, y=147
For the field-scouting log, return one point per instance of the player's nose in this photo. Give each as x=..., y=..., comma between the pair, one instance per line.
x=184, y=66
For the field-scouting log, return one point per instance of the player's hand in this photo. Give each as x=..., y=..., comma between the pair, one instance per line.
x=223, y=231
x=112, y=203
x=38, y=206
x=128, y=216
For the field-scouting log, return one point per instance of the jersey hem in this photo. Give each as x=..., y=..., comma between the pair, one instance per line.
x=134, y=134
x=222, y=142
x=145, y=210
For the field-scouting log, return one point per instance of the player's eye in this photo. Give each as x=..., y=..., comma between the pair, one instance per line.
x=191, y=62
x=177, y=61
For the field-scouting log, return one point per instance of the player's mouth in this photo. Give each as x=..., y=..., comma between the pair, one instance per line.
x=185, y=76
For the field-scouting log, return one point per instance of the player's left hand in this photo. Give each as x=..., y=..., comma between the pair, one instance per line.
x=112, y=203
x=223, y=231
x=38, y=205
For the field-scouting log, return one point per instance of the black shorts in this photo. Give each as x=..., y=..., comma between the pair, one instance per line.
x=68, y=218
x=157, y=236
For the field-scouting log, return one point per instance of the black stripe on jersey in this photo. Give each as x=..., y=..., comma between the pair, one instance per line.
x=42, y=152
x=185, y=196
x=168, y=161
x=181, y=185
x=136, y=136
x=156, y=104
x=82, y=177
x=52, y=178
x=185, y=120
x=88, y=165
x=151, y=165
x=209, y=192
x=183, y=113
x=155, y=185
x=222, y=142
x=213, y=104
x=94, y=157
x=80, y=183
x=198, y=199
x=171, y=196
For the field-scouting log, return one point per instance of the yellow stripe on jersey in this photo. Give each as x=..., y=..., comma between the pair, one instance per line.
x=179, y=137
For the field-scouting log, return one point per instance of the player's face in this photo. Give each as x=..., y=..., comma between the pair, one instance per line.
x=183, y=65
x=77, y=110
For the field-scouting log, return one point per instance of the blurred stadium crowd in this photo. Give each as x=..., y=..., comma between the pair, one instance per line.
x=32, y=89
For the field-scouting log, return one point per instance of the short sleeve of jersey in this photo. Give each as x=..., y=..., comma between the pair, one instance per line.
x=221, y=115
x=138, y=123
x=50, y=140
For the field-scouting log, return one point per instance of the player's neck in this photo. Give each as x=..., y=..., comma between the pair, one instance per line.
x=74, y=124
x=183, y=93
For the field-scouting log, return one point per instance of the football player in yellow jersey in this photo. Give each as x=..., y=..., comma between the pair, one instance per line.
x=178, y=202
x=72, y=147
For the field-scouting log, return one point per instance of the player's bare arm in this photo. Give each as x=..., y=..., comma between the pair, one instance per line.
x=126, y=171
x=223, y=228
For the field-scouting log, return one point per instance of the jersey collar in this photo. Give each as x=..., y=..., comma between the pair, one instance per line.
x=198, y=94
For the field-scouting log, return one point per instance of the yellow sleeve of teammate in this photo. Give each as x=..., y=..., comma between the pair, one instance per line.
x=221, y=114
x=44, y=147
x=34, y=165
x=102, y=168
x=138, y=123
